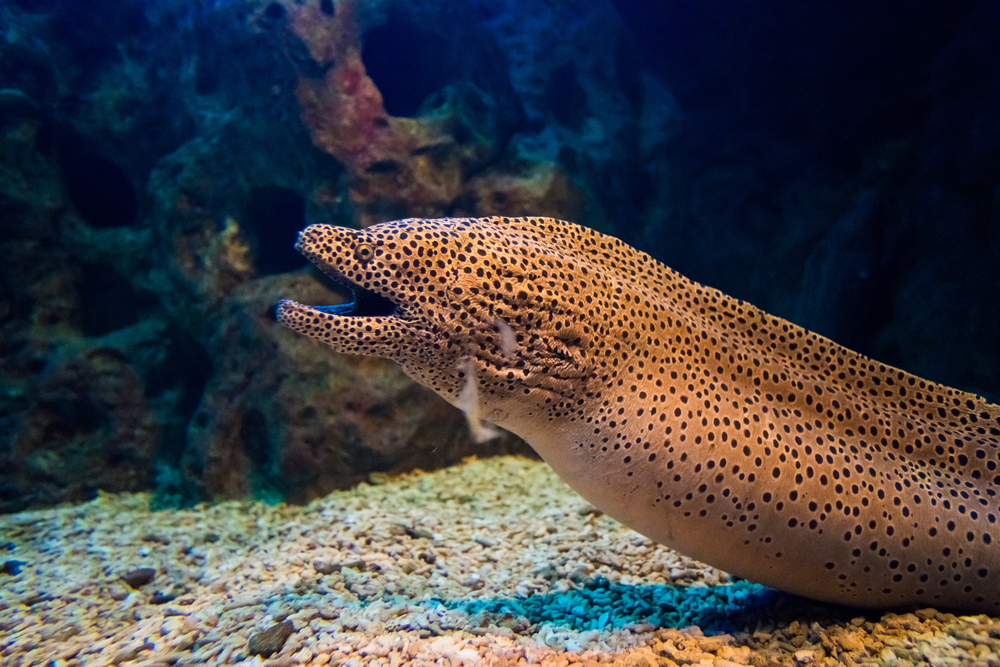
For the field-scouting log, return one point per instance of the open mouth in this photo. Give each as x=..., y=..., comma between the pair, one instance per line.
x=315, y=243
x=363, y=303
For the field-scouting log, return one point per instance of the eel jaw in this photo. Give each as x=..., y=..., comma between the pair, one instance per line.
x=361, y=326
x=345, y=327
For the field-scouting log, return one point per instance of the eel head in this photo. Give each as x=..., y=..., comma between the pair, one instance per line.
x=453, y=301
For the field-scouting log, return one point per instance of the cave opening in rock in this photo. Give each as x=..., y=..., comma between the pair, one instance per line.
x=406, y=63
x=275, y=216
x=97, y=187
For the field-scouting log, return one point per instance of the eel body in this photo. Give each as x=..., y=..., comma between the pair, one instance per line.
x=730, y=435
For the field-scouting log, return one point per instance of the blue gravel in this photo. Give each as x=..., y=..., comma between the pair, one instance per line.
x=600, y=604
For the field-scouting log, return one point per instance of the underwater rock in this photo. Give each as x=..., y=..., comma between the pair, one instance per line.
x=139, y=577
x=87, y=426
x=280, y=418
x=11, y=568
x=543, y=92
x=80, y=347
x=157, y=165
x=542, y=186
x=400, y=165
x=268, y=642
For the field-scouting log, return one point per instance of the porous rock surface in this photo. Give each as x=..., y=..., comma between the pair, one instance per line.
x=156, y=162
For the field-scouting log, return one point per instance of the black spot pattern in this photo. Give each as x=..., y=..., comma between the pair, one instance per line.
x=733, y=436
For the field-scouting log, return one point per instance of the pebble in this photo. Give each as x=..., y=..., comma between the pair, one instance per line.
x=11, y=567
x=139, y=577
x=268, y=642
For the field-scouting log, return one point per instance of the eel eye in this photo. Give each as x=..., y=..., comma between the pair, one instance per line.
x=364, y=253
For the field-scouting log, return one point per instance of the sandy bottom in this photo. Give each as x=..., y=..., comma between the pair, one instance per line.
x=493, y=562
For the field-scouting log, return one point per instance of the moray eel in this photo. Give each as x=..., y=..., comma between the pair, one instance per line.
x=730, y=435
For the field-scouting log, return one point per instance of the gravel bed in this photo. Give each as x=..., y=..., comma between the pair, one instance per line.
x=493, y=562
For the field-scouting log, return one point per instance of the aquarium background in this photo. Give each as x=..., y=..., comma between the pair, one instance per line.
x=837, y=164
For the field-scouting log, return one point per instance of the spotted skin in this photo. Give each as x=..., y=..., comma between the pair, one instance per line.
x=733, y=436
